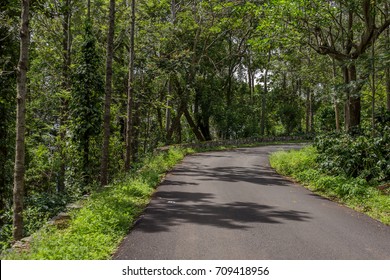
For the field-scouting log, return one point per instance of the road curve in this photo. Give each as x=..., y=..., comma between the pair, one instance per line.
x=231, y=205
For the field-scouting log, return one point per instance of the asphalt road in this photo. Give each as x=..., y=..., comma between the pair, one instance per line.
x=231, y=205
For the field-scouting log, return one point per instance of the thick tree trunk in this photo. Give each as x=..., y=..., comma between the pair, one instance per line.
x=204, y=127
x=195, y=130
x=354, y=102
x=352, y=106
x=174, y=126
x=19, y=171
x=130, y=93
x=108, y=92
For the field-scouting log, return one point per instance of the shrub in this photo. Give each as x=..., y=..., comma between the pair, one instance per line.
x=362, y=156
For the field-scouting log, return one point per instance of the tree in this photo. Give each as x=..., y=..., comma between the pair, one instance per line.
x=344, y=30
x=108, y=92
x=66, y=86
x=9, y=54
x=18, y=192
x=86, y=98
x=130, y=93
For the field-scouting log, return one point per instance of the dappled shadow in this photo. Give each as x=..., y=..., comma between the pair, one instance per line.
x=170, y=209
x=168, y=182
x=256, y=174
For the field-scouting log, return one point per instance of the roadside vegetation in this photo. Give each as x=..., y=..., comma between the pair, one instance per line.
x=96, y=229
x=354, y=171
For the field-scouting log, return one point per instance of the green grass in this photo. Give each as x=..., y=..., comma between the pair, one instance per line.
x=356, y=193
x=96, y=230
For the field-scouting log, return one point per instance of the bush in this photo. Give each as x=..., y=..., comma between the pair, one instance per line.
x=294, y=161
x=360, y=156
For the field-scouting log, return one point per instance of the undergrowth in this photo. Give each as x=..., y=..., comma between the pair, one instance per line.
x=356, y=193
x=96, y=229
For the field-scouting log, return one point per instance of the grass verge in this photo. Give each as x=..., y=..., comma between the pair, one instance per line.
x=96, y=230
x=355, y=193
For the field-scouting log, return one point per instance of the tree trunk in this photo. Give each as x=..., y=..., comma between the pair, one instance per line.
x=388, y=67
x=86, y=165
x=129, y=121
x=108, y=92
x=308, y=110
x=336, y=107
x=352, y=106
x=19, y=171
x=354, y=102
x=388, y=88
x=89, y=9
x=346, y=105
x=195, y=130
x=373, y=88
x=168, y=107
x=263, y=107
x=264, y=96
x=311, y=114
x=66, y=85
x=175, y=124
x=3, y=160
x=136, y=125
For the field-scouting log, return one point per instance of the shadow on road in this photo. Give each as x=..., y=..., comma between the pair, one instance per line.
x=255, y=175
x=171, y=209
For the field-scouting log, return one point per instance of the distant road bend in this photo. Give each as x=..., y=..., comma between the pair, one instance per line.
x=231, y=205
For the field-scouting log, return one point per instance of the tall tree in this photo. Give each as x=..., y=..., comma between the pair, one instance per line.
x=130, y=93
x=358, y=28
x=86, y=98
x=9, y=55
x=108, y=91
x=18, y=192
x=66, y=86
x=388, y=67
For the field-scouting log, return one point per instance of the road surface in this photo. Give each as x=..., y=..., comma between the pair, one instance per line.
x=231, y=205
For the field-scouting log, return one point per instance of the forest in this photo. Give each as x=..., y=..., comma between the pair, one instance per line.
x=90, y=88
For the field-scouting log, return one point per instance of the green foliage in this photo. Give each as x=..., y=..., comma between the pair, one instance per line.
x=86, y=100
x=290, y=117
x=96, y=229
x=325, y=119
x=362, y=156
x=39, y=208
x=357, y=193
